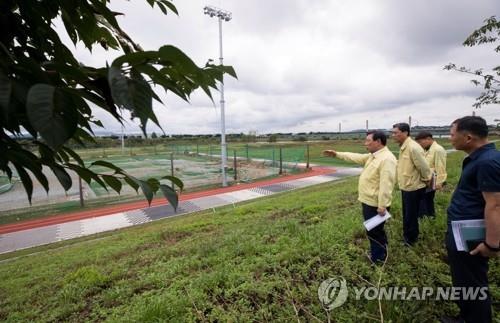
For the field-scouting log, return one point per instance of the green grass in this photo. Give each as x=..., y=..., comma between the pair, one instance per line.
x=260, y=261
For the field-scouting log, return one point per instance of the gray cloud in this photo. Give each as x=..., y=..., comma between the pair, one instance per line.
x=307, y=65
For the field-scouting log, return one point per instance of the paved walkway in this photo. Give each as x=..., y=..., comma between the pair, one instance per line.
x=49, y=230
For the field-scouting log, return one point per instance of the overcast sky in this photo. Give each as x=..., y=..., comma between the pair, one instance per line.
x=308, y=65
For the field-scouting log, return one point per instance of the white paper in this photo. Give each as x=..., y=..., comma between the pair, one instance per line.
x=376, y=220
x=456, y=227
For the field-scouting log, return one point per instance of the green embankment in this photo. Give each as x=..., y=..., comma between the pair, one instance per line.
x=260, y=261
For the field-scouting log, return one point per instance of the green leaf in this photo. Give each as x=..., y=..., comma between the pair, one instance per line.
x=62, y=176
x=26, y=180
x=113, y=182
x=64, y=157
x=174, y=55
x=142, y=101
x=75, y=156
x=106, y=164
x=84, y=173
x=67, y=71
x=55, y=127
x=135, y=58
x=118, y=84
x=5, y=93
x=99, y=181
x=175, y=180
x=131, y=182
x=28, y=160
x=230, y=70
x=136, y=183
x=46, y=153
x=146, y=190
x=170, y=195
x=154, y=184
x=171, y=6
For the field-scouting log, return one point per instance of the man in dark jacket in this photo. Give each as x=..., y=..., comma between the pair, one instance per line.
x=476, y=197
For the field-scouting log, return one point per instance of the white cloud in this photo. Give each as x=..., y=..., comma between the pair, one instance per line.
x=307, y=65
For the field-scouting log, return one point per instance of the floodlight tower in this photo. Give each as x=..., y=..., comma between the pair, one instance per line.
x=226, y=16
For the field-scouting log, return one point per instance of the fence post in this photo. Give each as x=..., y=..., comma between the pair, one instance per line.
x=307, y=147
x=235, y=167
x=274, y=158
x=81, y=191
x=281, y=161
x=172, y=167
x=247, y=151
x=197, y=149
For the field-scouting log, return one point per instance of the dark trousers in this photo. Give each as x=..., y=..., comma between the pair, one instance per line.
x=427, y=204
x=411, y=210
x=469, y=271
x=376, y=236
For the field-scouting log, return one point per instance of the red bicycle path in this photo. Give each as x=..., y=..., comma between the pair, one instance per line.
x=80, y=215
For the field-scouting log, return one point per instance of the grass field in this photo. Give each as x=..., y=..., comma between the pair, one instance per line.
x=260, y=261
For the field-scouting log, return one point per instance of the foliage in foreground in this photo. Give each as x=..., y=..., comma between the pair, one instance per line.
x=488, y=33
x=261, y=261
x=45, y=91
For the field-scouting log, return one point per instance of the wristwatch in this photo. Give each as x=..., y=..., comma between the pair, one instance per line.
x=497, y=249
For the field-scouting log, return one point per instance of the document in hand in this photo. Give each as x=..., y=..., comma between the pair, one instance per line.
x=376, y=220
x=467, y=230
x=432, y=185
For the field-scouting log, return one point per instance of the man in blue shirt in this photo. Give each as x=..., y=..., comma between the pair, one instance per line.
x=477, y=196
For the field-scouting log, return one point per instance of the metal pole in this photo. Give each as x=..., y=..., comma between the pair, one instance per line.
x=221, y=15
x=222, y=113
x=235, y=167
x=172, y=167
x=81, y=191
x=281, y=161
x=307, y=166
x=123, y=137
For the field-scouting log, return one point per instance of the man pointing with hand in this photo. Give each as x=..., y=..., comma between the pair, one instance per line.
x=375, y=187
